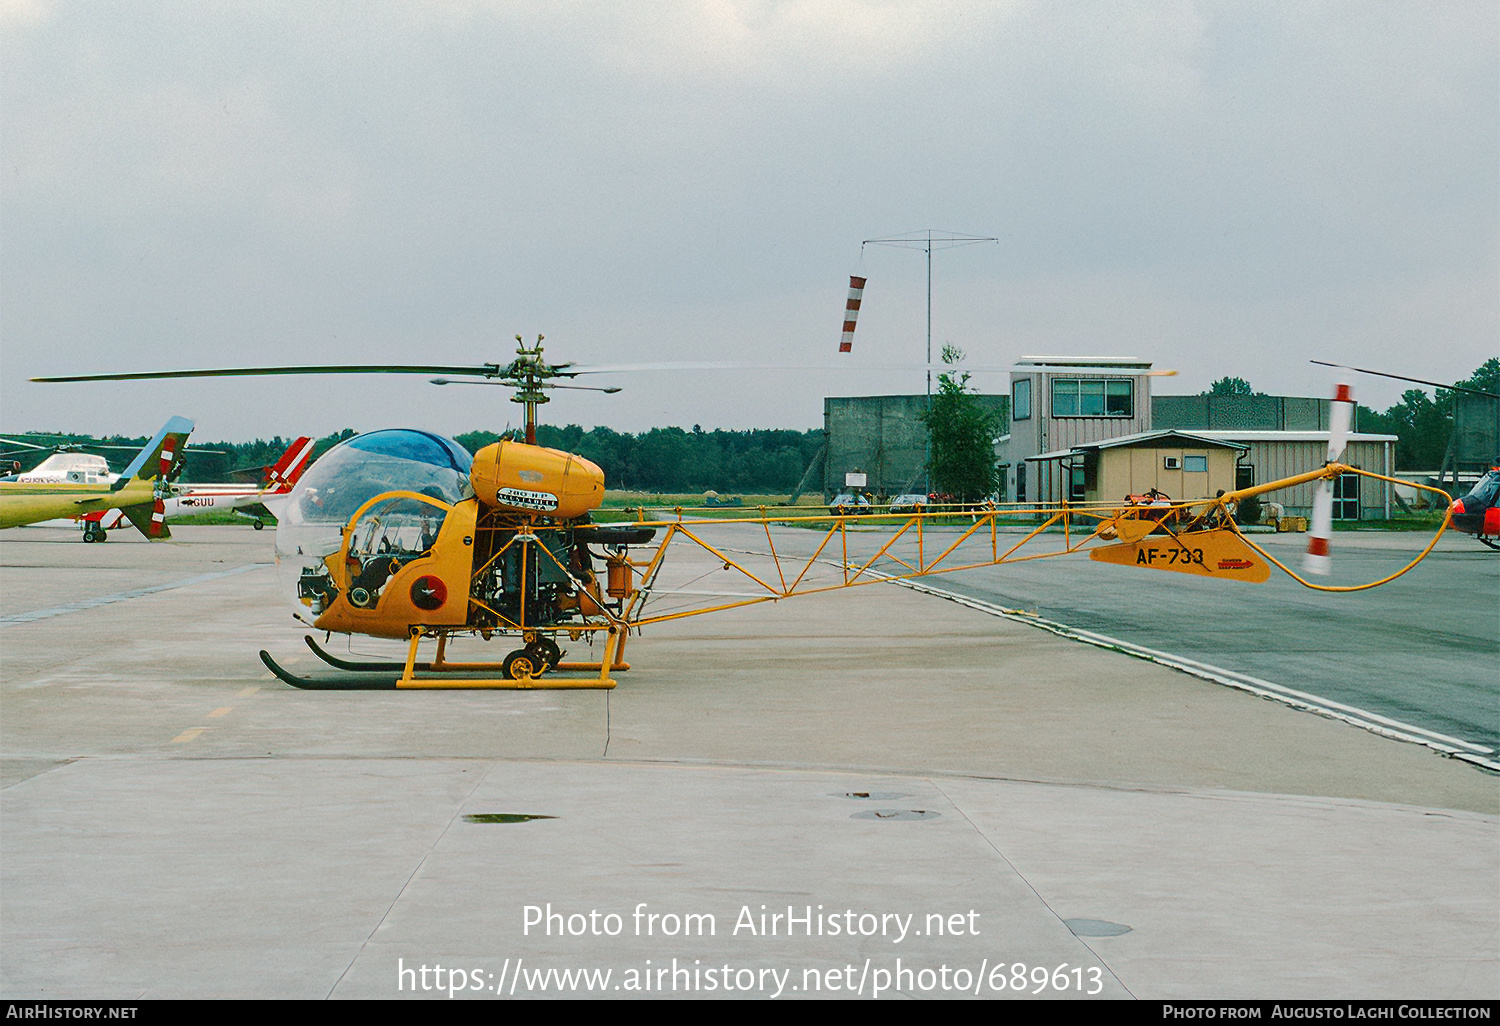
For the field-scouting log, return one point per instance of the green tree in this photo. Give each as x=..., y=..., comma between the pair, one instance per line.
x=1486, y=378
x=962, y=437
x=1422, y=427
x=1230, y=386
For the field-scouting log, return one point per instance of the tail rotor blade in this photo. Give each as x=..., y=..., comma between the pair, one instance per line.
x=1340, y=416
x=158, y=517
x=1319, y=559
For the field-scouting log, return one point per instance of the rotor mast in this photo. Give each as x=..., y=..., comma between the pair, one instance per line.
x=526, y=374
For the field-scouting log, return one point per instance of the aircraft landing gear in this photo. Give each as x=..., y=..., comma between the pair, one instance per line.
x=523, y=669
x=521, y=664
x=544, y=654
x=94, y=533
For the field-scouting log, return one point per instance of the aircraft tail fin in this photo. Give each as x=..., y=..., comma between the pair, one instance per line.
x=284, y=473
x=160, y=455
x=145, y=520
x=156, y=463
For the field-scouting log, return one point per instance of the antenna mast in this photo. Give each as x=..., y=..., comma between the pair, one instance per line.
x=929, y=239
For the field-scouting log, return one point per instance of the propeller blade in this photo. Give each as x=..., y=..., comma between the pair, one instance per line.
x=1340, y=416
x=844, y=367
x=1319, y=559
x=485, y=371
x=23, y=446
x=1402, y=377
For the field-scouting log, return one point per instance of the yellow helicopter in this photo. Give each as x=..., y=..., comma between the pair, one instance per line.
x=401, y=534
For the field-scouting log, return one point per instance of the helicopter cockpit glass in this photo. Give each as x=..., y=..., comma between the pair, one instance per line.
x=1485, y=492
x=344, y=479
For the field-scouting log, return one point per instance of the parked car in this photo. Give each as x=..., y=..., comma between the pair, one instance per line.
x=911, y=502
x=846, y=503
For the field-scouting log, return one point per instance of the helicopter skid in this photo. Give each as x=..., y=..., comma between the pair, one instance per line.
x=375, y=681
x=368, y=682
x=376, y=676
x=358, y=666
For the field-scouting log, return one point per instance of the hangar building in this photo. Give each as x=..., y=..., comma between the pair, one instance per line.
x=1061, y=409
x=1078, y=404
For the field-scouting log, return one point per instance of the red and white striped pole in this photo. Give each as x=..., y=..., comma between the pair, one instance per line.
x=851, y=312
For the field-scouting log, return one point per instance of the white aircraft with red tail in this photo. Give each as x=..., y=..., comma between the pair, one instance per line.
x=275, y=485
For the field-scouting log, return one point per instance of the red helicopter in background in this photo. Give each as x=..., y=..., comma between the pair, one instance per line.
x=1477, y=512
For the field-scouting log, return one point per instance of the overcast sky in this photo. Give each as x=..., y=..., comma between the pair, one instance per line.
x=1225, y=188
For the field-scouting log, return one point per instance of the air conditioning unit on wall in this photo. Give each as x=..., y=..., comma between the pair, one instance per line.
x=1171, y=462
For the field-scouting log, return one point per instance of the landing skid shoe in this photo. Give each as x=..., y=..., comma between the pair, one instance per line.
x=525, y=669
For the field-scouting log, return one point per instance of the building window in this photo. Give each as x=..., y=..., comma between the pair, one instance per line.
x=1195, y=464
x=1077, y=484
x=1244, y=476
x=1093, y=397
x=1020, y=399
x=1020, y=482
x=1346, y=497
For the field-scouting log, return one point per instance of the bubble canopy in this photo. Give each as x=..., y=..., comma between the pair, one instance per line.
x=350, y=474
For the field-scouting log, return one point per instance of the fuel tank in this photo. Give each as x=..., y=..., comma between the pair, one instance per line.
x=531, y=479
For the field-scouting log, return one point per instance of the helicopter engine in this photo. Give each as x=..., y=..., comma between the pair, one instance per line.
x=528, y=567
x=532, y=479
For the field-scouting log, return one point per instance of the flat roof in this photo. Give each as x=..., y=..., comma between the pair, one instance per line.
x=1290, y=436
x=1119, y=441
x=1074, y=362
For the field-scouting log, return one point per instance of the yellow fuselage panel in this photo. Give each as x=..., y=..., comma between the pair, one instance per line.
x=451, y=560
x=532, y=479
x=1219, y=554
x=32, y=503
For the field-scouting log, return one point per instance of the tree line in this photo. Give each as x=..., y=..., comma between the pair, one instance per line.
x=676, y=460
x=660, y=460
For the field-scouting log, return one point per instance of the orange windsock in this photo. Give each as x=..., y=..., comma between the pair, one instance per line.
x=851, y=313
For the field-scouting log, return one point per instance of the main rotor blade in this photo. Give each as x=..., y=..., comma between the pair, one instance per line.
x=840, y=368
x=1401, y=377
x=485, y=371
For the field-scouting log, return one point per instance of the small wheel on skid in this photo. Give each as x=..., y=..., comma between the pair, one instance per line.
x=521, y=665
x=545, y=652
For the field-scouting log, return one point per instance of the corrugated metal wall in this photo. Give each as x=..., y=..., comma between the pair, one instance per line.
x=1239, y=413
x=1045, y=433
x=1066, y=432
x=1278, y=459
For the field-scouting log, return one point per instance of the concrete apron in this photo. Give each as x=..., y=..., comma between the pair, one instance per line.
x=178, y=824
